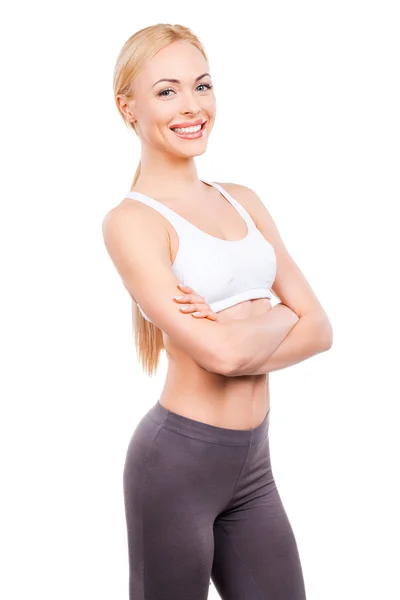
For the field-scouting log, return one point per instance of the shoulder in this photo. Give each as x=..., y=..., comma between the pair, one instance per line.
x=134, y=242
x=249, y=200
x=132, y=228
x=136, y=216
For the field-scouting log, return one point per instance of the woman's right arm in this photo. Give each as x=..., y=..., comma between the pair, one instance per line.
x=137, y=242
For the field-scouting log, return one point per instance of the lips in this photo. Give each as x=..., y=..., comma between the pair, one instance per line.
x=189, y=123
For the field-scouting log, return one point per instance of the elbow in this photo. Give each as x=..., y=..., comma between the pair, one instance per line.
x=326, y=335
x=224, y=356
x=223, y=361
x=223, y=364
x=232, y=363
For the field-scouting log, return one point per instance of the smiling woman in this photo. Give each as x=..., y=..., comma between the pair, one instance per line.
x=200, y=498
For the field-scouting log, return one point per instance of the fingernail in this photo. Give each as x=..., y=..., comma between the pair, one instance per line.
x=196, y=314
x=178, y=297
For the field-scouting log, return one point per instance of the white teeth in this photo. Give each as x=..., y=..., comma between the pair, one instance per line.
x=186, y=129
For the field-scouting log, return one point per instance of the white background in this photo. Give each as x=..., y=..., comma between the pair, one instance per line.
x=308, y=116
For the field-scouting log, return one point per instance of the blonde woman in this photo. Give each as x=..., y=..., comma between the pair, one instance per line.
x=201, y=502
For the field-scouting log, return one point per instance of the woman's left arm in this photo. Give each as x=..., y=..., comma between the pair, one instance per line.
x=311, y=335
x=313, y=332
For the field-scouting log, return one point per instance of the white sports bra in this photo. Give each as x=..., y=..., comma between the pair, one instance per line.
x=223, y=272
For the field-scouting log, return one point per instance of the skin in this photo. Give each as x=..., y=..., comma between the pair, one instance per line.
x=247, y=398
x=168, y=174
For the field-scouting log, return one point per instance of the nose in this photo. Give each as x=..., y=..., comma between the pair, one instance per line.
x=190, y=104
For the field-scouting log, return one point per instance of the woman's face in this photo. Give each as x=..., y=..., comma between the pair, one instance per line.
x=158, y=105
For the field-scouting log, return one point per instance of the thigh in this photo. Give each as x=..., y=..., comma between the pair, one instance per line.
x=255, y=551
x=168, y=514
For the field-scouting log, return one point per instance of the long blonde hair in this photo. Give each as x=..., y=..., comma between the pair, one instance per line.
x=137, y=51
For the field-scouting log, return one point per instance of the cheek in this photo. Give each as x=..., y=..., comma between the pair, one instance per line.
x=210, y=106
x=155, y=116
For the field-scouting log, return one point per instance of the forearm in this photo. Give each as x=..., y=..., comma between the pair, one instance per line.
x=253, y=340
x=311, y=335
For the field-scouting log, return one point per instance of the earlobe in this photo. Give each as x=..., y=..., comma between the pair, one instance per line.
x=130, y=116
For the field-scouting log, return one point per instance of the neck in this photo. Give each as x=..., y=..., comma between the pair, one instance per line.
x=167, y=175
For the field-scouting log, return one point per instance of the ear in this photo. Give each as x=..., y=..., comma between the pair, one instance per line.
x=127, y=107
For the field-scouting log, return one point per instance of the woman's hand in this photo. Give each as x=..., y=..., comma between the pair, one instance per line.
x=194, y=304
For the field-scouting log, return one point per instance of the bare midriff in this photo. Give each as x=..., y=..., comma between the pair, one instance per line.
x=230, y=402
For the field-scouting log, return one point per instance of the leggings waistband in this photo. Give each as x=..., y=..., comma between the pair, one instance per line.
x=206, y=432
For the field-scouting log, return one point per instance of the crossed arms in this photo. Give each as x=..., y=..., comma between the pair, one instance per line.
x=288, y=333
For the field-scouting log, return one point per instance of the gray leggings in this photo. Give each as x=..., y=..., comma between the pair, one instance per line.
x=201, y=503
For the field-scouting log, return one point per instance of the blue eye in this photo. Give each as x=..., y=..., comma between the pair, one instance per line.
x=162, y=93
x=207, y=85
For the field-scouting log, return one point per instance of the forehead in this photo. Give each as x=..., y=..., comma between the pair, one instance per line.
x=179, y=60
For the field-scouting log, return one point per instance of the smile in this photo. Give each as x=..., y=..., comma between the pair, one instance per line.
x=190, y=132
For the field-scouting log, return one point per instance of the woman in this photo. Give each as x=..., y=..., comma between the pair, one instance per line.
x=200, y=496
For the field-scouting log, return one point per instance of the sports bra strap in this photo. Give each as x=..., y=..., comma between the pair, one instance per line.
x=241, y=210
x=173, y=217
x=178, y=221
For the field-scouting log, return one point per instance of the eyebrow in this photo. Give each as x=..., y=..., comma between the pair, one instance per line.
x=177, y=80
